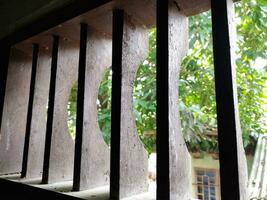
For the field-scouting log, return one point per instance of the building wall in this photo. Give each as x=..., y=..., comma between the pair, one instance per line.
x=205, y=162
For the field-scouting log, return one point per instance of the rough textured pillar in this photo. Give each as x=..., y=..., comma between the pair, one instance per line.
x=258, y=175
x=95, y=152
x=180, y=159
x=133, y=156
x=242, y=161
x=173, y=158
x=35, y=54
x=233, y=166
x=39, y=116
x=15, y=112
x=62, y=145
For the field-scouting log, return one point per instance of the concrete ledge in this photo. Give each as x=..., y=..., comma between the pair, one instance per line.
x=15, y=190
x=32, y=188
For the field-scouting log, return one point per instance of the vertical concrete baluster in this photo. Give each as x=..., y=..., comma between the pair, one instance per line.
x=35, y=56
x=62, y=145
x=180, y=159
x=50, y=110
x=98, y=60
x=174, y=161
x=242, y=160
x=15, y=112
x=95, y=160
x=233, y=166
x=133, y=159
x=39, y=116
x=59, y=152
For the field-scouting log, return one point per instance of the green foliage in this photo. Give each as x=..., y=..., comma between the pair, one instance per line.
x=104, y=106
x=252, y=45
x=145, y=96
x=196, y=86
x=197, y=90
x=72, y=107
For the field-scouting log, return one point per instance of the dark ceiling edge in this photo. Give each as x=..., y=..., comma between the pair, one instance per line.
x=14, y=190
x=52, y=19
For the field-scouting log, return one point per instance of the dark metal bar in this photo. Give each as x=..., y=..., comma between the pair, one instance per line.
x=80, y=108
x=50, y=113
x=30, y=107
x=4, y=60
x=162, y=121
x=225, y=101
x=117, y=37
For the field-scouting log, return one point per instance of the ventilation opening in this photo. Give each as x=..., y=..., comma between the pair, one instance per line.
x=144, y=98
x=104, y=105
x=72, y=109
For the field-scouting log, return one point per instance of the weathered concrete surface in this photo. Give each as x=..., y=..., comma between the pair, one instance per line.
x=15, y=112
x=242, y=162
x=95, y=161
x=180, y=159
x=27, y=12
x=133, y=157
x=39, y=116
x=62, y=145
x=258, y=175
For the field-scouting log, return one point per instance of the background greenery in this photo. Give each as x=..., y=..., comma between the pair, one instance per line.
x=196, y=87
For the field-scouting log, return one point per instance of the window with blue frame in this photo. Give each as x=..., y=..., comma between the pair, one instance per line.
x=206, y=184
